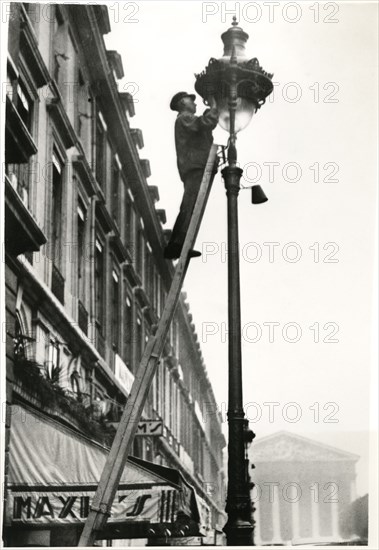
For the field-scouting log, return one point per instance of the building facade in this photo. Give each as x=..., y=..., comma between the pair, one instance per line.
x=86, y=281
x=303, y=489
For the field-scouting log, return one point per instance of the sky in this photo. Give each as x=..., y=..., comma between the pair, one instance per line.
x=308, y=254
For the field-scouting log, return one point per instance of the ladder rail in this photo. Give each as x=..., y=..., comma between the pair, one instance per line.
x=101, y=506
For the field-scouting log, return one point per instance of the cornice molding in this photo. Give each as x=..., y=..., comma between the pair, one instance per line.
x=30, y=50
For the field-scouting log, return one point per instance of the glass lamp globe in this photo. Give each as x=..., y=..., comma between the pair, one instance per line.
x=245, y=110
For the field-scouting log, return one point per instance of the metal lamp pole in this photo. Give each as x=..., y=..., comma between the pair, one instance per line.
x=239, y=528
x=235, y=78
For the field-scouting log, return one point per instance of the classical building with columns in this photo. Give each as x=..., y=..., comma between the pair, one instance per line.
x=302, y=488
x=86, y=283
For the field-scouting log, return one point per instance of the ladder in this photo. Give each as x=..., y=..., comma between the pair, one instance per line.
x=101, y=506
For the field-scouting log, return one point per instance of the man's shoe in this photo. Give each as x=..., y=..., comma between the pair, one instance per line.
x=172, y=252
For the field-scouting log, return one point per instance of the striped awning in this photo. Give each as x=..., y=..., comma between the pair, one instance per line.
x=54, y=472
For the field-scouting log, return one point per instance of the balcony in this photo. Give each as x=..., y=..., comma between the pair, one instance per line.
x=19, y=144
x=22, y=233
x=32, y=384
x=57, y=284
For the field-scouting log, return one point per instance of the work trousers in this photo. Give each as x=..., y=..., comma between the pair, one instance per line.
x=192, y=182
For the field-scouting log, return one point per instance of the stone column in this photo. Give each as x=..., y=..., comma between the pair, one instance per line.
x=276, y=515
x=315, y=518
x=335, y=522
x=295, y=520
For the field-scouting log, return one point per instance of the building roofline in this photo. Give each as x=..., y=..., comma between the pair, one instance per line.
x=315, y=443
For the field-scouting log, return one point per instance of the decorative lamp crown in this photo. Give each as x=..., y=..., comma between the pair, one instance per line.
x=236, y=37
x=234, y=75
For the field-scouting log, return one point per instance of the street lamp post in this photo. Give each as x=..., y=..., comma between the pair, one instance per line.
x=240, y=87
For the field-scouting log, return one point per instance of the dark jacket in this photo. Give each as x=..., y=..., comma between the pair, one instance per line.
x=193, y=140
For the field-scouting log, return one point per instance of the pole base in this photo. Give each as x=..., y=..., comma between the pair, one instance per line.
x=239, y=533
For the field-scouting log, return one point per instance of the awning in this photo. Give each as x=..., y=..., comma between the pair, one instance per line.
x=54, y=472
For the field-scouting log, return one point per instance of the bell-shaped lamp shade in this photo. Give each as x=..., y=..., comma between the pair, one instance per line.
x=257, y=195
x=244, y=112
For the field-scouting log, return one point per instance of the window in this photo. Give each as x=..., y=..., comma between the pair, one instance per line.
x=52, y=364
x=57, y=279
x=156, y=389
x=163, y=392
x=183, y=427
x=147, y=334
x=116, y=190
x=148, y=280
x=24, y=105
x=175, y=342
x=156, y=291
x=81, y=229
x=168, y=404
x=178, y=413
x=22, y=97
x=171, y=334
x=101, y=149
x=18, y=175
x=18, y=342
x=75, y=385
x=129, y=222
x=59, y=56
x=99, y=284
x=139, y=343
x=171, y=401
x=115, y=310
x=83, y=115
x=128, y=331
x=56, y=218
x=140, y=249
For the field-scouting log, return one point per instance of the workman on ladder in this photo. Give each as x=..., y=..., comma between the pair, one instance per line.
x=193, y=140
x=197, y=162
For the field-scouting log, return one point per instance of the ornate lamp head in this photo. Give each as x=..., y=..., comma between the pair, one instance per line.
x=239, y=85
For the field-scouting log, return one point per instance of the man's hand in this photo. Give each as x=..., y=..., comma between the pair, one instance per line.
x=212, y=102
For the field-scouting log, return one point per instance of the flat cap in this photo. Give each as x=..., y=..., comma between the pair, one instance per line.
x=179, y=96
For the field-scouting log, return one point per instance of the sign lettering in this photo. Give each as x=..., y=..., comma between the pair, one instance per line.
x=73, y=506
